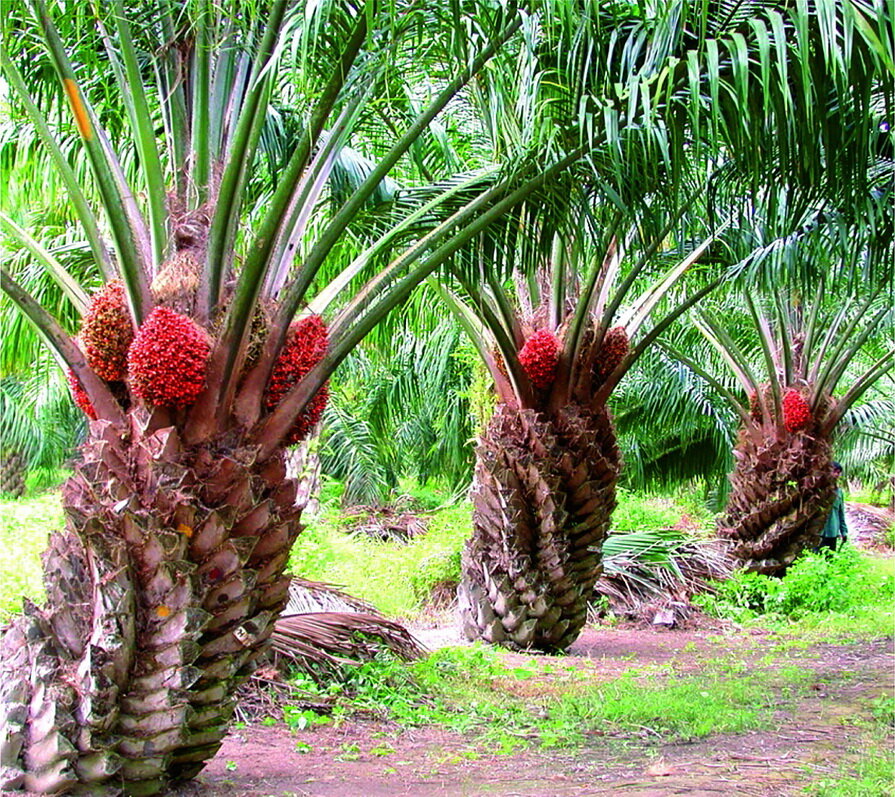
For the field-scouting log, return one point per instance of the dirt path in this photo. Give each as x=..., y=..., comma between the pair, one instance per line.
x=374, y=758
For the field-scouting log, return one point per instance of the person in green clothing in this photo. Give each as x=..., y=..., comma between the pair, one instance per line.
x=835, y=527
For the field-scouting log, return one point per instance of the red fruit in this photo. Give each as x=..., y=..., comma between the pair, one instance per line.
x=305, y=346
x=168, y=359
x=796, y=412
x=613, y=350
x=107, y=332
x=80, y=395
x=539, y=358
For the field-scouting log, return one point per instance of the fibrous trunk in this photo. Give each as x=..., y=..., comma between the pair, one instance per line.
x=162, y=593
x=543, y=495
x=780, y=497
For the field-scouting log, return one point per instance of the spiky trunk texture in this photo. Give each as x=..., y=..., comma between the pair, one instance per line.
x=543, y=495
x=781, y=494
x=162, y=592
x=13, y=469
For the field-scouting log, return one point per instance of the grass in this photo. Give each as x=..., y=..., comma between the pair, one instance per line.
x=24, y=528
x=870, y=769
x=503, y=707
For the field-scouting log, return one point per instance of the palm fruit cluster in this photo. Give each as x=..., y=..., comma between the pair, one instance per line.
x=80, y=395
x=796, y=411
x=305, y=346
x=614, y=349
x=539, y=357
x=168, y=359
x=107, y=332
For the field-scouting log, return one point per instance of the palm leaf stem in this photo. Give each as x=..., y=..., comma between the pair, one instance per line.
x=346, y=214
x=63, y=348
x=658, y=290
x=622, y=291
x=471, y=323
x=327, y=295
x=559, y=270
x=616, y=376
x=847, y=354
x=169, y=70
x=129, y=232
x=812, y=326
x=289, y=183
x=61, y=276
x=332, y=233
x=848, y=346
x=822, y=357
x=240, y=314
x=714, y=332
x=873, y=374
x=132, y=242
x=345, y=335
x=504, y=338
x=201, y=138
x=745, y=418
x=76, y=195
x=133, y=92
x=785, y=335
x=766, y=341
x=224, y=225
x=304, y=199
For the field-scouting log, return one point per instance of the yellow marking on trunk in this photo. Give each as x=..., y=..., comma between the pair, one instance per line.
x=78, y=109
x=187, y=531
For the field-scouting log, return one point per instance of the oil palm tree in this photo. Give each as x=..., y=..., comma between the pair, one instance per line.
x=692, y=86
x=547, y=463
x=198, y=361
x=803, y=368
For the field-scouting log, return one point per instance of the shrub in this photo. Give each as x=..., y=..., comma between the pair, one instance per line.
x=818, y=582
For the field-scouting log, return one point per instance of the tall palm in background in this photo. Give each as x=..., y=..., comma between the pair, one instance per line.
x=557, y=346
x=162, y=591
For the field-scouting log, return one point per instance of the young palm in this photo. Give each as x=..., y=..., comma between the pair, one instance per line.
x=163, y=589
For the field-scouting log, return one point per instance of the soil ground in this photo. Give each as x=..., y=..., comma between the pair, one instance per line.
x=821, y=736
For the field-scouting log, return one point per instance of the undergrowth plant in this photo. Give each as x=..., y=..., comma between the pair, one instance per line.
x=842, y=583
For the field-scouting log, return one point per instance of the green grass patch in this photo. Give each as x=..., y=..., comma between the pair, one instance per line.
x=25, y=525
x=502, y=706
x=395, y=577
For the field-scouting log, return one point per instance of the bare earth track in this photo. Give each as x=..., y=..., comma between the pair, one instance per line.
x=819, y=737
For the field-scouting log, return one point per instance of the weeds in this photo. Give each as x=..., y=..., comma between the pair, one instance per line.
x=827, y=593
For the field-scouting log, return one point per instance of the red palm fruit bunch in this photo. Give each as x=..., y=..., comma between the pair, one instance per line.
x=539, y=357
x=613, y=350
x=80, y=395
x=796, y=412
x=106, y=332
x=305, y=346
x=168, y=359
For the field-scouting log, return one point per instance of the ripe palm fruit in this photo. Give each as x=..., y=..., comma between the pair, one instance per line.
x=80, y=395
x=305, y=346
x=796, y=412
x=539, y=357
x=168, y=359
x=613, y=350
x=106, y=332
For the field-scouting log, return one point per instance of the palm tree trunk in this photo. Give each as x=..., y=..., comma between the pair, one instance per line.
x=162, y=594
x=781, y=494
x=543, y=495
